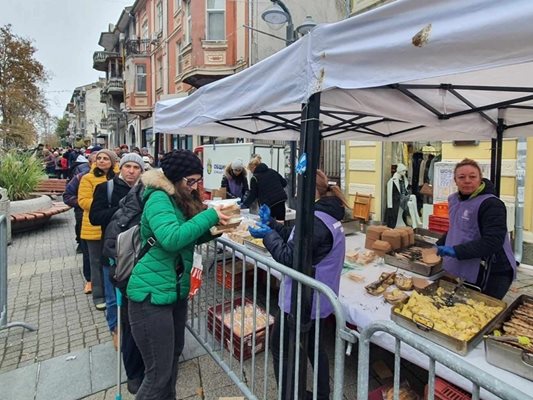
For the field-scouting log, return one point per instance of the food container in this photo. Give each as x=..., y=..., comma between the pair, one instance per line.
x=235, y=341
x=414, y=265
x=505, y=355
x=257, y=246
x=423, y=327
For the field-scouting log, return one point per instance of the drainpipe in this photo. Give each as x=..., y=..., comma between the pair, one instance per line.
x=521, y=151
x=250, y=37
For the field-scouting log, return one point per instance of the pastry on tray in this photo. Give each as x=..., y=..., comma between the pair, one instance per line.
x=429, y=256
x=395, y=296
x=403, y=282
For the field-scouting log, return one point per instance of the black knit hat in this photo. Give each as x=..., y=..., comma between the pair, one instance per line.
x=179, y=164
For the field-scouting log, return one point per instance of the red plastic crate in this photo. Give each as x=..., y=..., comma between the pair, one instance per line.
x=444, y=390
x=440, y=209
x=237, y=279
x=232, y=343
x=438, y=224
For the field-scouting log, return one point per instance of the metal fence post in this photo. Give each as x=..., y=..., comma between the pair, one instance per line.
x=3, y=280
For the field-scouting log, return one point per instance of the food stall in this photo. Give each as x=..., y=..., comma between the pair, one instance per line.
x=410, y=70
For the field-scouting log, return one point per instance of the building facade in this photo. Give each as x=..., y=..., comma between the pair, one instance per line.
x=86, y=115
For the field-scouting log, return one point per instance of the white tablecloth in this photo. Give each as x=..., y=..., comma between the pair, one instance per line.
x=362, y=308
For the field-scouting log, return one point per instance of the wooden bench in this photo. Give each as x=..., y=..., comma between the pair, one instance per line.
x=26, y=221
x=51, y=187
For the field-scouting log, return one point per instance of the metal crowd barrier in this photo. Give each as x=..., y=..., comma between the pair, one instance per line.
x=3, y=280
x=436, y=354
x=213, y=319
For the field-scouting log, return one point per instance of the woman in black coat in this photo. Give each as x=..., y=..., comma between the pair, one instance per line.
x=267, y=187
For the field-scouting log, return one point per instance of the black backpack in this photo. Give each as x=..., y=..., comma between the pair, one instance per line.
x=127, y=216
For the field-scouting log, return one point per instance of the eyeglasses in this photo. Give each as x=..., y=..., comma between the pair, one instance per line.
x=192, y=182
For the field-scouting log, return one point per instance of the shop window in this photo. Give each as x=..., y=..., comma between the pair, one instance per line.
x=216, y=11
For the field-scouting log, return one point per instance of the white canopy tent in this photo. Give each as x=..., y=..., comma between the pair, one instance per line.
x=376, y=84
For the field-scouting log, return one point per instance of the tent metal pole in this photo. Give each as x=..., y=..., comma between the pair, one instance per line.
x=303, y=249
x=499, y=155
x=493, y=145
x=156, y=148
x=292, y=177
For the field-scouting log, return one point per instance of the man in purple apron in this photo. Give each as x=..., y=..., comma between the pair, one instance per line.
x=328, y=259
x=476, y=246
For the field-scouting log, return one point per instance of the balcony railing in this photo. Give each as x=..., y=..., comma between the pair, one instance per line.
x=138, y=47
x=100, y=59
x=114, y=86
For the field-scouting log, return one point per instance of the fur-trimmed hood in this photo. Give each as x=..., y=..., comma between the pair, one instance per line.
x=155, y=179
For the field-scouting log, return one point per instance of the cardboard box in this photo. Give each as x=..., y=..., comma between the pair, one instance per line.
x=220, y=192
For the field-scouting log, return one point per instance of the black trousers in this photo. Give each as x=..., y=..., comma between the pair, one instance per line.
x=323, y=362
x=159, y=332
x=131, y=356
x=495, y=283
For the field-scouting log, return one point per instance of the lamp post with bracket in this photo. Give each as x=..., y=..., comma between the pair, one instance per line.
x=279, y=14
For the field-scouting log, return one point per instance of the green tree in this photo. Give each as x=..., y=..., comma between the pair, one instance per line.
x=61, y=128
x=22, y=101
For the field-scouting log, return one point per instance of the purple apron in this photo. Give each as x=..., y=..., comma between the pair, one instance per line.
x=464, y=228
x=327, y=271
x=235, y=188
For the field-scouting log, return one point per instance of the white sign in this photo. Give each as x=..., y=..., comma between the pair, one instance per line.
x=443, y=183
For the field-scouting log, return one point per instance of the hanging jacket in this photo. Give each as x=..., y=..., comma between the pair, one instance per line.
x=155, y=274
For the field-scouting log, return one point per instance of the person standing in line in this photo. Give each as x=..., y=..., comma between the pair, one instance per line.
x=102, y=171
x=105, y=203
x=476, y=247
x=158, y=287
x=234, y=180
x=70, y=197
x=328, y=259
x=267, y=187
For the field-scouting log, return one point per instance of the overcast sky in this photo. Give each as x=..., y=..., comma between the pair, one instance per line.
x=66, y=34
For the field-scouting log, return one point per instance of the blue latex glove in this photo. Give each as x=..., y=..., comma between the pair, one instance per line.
x=264, y=214
x=446, y=251
x=260, y=232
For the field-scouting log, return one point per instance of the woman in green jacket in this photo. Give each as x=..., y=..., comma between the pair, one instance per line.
x=159, y=284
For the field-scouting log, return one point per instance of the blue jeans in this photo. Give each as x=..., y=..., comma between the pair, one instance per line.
x=110, y=300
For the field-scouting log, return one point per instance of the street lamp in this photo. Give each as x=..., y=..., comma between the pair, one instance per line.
x=279, y=14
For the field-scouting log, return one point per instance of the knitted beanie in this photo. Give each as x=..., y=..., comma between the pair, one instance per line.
x=179, y=164
x=112, y=156
x=131, y=157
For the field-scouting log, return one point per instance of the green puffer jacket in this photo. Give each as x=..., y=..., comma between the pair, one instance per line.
x=155, y=274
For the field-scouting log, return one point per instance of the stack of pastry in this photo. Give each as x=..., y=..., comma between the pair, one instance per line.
x=234, y=212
